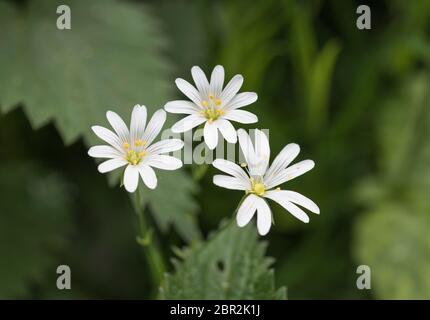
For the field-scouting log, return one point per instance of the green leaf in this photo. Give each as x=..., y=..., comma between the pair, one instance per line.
x=171, y=203
x=394, y=242
x=34, y=218
x=231, y=264
x=109, y=59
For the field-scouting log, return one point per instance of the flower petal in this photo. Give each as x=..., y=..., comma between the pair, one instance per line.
x=118, y=125
x=241, y=100
x=246, y=210
x=201, y=81
x=108, y=136
x=154, y=126
x=164, y=146
x=228, y=182
x=210, y=133
x=103, y=152
x=283, y=200
x=188, y=123
x=111, y=165
x=148, y=176
x=264, y=217
x=300, y=200
x=282, y=160
x=231, y=89
x=181, y=106
x=131, y=178
x=217, y=80
x=240, y=116
x=137, y=123
x=163, y=162
x=189, y=90
x=262, y=152
x=227, y=130
x=247, y=147
x=231, y=168
x=290, y=173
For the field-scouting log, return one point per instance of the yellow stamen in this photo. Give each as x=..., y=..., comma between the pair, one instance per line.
x=133, y=157
x=205, y=103
x=278, y=189
x=218, y=102
x=259, y=189
x=211, y=96
x=243, y=164
x=139, y=143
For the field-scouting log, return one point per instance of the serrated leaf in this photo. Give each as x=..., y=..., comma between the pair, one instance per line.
x=394, y=242
x=172, y=204
x=34, y=219
x=231, y=264
x=109, y=59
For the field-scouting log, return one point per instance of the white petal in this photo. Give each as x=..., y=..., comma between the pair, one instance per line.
x=264, y=217
x=282, y=160
x=108, y=136
x=246, y=210
x=164, y=146
x=290, y=173
x=301, y=200
x=163, y=162
x=187, y=89
x=283, y=200
x=228, y=182
x=241, y=116
x=148, y=176
x=188, y=123
x=227, y=130
x=241, y=100
x=103, y=152
x=246, y=146
x=111, y=165
x=231, y=168
x=154, y=126
x=262, y=152
x=210, y=133
x=181, y=106
x=217, y=80
x=137, y=123
x=131, y=178
x=118, y=125
x=231, y=89
x=201, y=81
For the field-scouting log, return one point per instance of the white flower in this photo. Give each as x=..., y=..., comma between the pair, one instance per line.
x=133, y=148
x=212, y=105
x=260, y=182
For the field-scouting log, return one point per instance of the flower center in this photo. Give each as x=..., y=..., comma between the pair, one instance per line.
x=134, y=155
x=257, y=188
x=212, y=110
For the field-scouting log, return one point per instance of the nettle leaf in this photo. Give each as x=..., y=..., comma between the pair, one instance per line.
x=231, y=264
x=395, y=243
x=34, y=219
x=109, y=60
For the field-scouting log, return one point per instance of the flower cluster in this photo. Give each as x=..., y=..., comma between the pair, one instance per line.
x=214, y=106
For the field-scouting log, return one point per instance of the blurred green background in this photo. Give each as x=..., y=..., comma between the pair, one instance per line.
x=356, y=101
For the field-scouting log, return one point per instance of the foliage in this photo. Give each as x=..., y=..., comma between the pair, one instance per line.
x=230, y=265
x=34, y=223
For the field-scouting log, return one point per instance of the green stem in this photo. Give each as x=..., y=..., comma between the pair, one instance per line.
x=150, y=247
